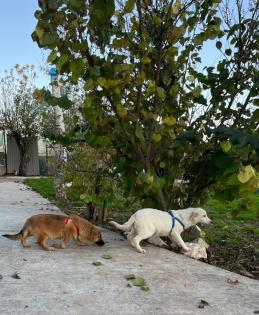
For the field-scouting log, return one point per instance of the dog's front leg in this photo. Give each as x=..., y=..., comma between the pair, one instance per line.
x=176, y=237
x=66, y=239
x=80, y=243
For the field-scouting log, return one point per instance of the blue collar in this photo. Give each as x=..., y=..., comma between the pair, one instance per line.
x=170, y=212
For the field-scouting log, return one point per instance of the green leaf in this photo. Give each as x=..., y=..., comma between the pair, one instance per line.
x=174, y=89
x=62, y=60
x=162, y=164
x=131, y=276
x=52, y=5
x=138, y=282
x=49, y=40
x=139, y=133
x=228, y=52
x=106, y=256
x=52, y=56
x=145, y=178
x=157, y=20
x=122, y=112
x=225, y=146
x=39, y=31
x=97, y=263
x=144, y=288
x=159, y=182
x=129, y=6
x=77, y=67
x=77, y=4
x=218, y=45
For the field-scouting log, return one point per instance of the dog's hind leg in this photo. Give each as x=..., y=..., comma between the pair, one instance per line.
x=138, y=238
x=24, y=237
x=130, y=236
x=156, y=240
x=41, y=241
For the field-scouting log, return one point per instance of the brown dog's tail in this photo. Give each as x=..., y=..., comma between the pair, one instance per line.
x=14, y=237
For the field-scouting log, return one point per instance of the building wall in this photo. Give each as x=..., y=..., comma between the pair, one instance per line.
x=2, y=164
x=13, y=158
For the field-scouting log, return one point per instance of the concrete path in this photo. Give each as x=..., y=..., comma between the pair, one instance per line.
x=66, y=282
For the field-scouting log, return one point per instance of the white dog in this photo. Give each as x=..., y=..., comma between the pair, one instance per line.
x=151, y=224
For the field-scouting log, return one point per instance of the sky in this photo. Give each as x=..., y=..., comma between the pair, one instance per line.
x=17, y=22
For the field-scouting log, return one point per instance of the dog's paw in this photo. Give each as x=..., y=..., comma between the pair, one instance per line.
x=142, y=251
x=186, y=249
x=51, y=249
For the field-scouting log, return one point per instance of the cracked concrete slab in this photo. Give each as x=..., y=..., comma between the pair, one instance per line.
x=67, y=282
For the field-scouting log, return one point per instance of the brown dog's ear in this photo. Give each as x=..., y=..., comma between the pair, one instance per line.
x=193, y=216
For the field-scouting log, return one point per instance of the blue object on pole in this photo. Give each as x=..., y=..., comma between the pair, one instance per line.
x=53, y=71
x=53, y=74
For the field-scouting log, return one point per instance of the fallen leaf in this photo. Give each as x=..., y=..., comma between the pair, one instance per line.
x=1, y=277
x=234, y=282
x=138, y=282
x=97, y=263
x=106, y=256
x=130, y=276
x=202, y=304
x=16, y=275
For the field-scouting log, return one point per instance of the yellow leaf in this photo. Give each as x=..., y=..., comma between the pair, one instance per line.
x=156, y=137
x=157, y=20
x=145, y=60
x=190, y=78
x=169, y=121
x=122, y=112
x=102, y=81
x=246, y=174
x=225, y=146
x=175, y=9
x=129, y=6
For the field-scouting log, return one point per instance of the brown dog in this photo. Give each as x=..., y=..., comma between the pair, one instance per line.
x=52, y=226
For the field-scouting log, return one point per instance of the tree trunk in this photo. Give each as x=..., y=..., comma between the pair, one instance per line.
x=24, y=160
x=23, y=146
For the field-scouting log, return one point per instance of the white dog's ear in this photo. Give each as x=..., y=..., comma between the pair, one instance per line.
x=193, y=216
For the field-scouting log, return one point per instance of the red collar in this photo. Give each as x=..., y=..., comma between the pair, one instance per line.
x=69, y=219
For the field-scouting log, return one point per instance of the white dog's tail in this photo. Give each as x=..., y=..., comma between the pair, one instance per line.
x=126, y=226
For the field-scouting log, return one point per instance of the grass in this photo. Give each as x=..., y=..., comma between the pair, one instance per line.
x=232, y=222
x=44, y=186
x=234, y=235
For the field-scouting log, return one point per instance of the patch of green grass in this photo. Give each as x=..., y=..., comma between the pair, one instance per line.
x=231, y=220
x=233, y=235
x=44, y=186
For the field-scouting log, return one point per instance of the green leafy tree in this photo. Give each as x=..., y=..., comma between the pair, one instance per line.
x=176, y=131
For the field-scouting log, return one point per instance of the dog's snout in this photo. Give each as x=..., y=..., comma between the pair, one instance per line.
x=100, y=242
